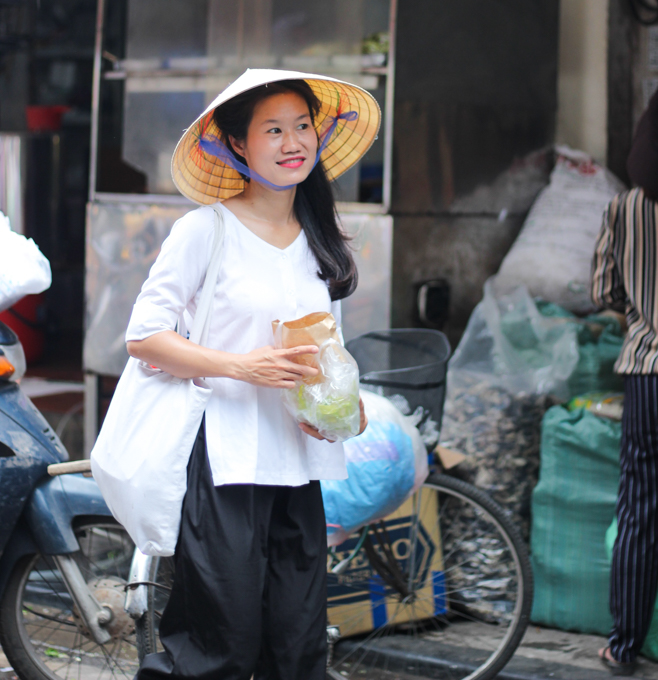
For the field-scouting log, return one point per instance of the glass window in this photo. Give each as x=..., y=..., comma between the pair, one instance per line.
x=179, y=56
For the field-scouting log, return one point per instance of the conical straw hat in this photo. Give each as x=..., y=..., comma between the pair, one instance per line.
x=205, y=179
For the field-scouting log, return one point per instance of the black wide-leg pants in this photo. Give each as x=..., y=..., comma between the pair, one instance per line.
x=634, y=577
x=250, y=593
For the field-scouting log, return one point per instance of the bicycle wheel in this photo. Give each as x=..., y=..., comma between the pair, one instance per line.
x=40, y=630
x=443, y=591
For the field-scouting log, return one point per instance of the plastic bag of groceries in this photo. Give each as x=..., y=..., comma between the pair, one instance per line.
x=24, y=270
x=329, y=401
x=385, y=465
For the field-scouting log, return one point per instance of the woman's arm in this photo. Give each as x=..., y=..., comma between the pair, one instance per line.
x=263, y=367
x=173, y=281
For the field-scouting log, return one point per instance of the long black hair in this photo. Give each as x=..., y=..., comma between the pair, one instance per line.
x=314, y=204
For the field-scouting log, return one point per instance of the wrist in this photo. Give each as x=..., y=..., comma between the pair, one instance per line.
x=233, y=367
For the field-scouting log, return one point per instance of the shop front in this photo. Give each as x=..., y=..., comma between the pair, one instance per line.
x=158, y=64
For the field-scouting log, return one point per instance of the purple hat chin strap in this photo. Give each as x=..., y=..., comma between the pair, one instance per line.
x=214, y=146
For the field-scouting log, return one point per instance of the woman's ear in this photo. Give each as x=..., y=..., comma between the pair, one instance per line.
x=238, y=145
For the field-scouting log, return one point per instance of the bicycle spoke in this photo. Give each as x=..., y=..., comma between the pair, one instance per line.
x=378, y=632
x=41, y=615
x=474, y=574
x=45, y=612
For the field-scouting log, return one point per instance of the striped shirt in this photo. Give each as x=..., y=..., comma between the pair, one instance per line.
x=624, y=276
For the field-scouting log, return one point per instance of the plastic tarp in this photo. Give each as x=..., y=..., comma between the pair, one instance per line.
x=508, y=342
x=385, y=464
x=599, y=338
x=571, y=509
x=505, y=373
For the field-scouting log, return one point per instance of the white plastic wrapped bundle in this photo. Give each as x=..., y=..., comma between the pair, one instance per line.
x=24, y=270
x=552, y=255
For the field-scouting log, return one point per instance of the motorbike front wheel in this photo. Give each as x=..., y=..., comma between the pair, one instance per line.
x=41, y=632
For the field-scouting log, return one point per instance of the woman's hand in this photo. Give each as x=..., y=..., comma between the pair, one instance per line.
x=269, y=367
x=312, y=432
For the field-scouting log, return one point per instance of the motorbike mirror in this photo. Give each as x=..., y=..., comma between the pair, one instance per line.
x=7, y=335
x=12, y=357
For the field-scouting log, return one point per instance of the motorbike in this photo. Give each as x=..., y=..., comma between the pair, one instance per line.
x=64, y=561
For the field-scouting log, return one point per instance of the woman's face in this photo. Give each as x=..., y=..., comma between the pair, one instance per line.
x=281, y=143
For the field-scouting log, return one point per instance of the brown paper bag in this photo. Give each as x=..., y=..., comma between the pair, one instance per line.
x=312, y=329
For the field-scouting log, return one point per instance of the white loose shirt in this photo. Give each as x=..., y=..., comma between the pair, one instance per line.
x=251, y=438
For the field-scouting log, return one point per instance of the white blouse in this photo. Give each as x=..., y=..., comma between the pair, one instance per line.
x=251, y=438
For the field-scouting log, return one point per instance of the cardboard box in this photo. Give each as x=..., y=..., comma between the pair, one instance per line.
x=359, y=601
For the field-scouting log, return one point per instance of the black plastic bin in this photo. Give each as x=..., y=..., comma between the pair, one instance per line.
x=409, y=362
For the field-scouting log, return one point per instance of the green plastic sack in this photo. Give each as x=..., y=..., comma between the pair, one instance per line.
x=598, y=350
x=595, y=369
x=571, y=509
x=650, y=647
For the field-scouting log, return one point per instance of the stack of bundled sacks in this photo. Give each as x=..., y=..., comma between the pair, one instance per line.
x=533, y=341
x=573, y=516
x=532, y=396
x=518, y=358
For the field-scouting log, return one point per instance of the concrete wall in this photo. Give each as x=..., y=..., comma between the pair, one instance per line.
x=475, y=105
x=14, y=91
x=583, y=76
x=645, y=69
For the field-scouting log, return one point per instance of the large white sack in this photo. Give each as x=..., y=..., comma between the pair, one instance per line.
x=24, y=270
x=552, y=255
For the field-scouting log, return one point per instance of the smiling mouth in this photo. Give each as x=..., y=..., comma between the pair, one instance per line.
x=295, y=162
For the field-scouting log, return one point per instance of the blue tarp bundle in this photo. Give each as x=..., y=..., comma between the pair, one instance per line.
x=384, y=465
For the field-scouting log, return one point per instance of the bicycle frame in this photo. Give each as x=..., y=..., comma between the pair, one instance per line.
x=341, y=566
x=136, y=603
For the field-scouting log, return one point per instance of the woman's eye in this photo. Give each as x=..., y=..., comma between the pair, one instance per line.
x=304, y=126
x=275, y=131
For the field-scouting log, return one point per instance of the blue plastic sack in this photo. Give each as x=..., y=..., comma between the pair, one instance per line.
x=385, y=465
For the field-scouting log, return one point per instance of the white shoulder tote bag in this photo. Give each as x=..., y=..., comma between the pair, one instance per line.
x=141, y=454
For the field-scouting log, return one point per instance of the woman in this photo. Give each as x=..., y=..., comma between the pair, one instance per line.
x=249, y=594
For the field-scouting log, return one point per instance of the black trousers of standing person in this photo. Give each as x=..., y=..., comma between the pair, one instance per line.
x=250, y=593
x=634, y=577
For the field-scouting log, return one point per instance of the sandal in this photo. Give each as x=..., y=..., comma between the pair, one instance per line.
x=616, y=667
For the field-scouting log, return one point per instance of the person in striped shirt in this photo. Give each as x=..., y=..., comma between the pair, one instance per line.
x=624, y=279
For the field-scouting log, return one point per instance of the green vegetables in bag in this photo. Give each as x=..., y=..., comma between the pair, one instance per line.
x=331, y=405
x=332, y=412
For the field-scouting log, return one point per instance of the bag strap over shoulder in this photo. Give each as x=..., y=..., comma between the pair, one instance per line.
x=201, y=324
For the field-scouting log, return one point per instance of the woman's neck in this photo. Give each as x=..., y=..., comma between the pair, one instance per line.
x=276, y=207
x=268, y=214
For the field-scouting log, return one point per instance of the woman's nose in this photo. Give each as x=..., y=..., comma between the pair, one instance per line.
x=291, y=141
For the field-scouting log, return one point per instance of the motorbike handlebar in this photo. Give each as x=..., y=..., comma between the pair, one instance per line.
x=73, y=467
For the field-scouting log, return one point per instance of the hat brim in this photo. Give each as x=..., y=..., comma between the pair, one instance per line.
x=205, y=179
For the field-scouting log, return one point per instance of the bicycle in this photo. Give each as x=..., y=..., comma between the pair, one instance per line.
x=441, y=588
